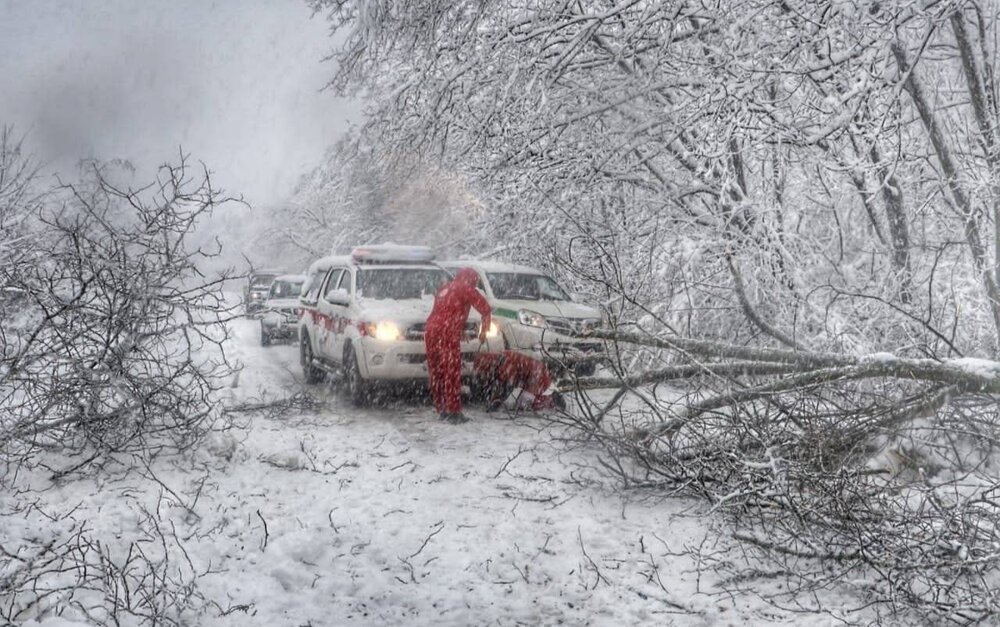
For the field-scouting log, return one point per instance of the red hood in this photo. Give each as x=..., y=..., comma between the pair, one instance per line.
x=467, y=276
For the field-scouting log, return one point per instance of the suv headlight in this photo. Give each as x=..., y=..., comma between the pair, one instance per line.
x=530, y=318
x=493, y=331
x=385, y=331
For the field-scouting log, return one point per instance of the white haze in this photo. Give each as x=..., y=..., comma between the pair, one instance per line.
x=235, y=83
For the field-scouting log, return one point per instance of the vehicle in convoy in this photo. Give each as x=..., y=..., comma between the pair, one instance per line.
x=280, y=311
x=362, y=316
x=255, y=291
x=537, y=317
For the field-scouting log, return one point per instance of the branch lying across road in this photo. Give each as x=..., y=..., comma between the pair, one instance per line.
x=796, y=371
x=971, y=375
x=685, y=371
x=721, y=350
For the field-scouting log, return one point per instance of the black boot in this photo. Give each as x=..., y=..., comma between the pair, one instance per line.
x=457, y=418
x=559, y=401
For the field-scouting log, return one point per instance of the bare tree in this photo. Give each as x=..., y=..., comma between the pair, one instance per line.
x=113, y=354
x=117, y=337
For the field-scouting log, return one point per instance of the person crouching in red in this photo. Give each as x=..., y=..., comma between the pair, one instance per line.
x=443, y=336
x=500, y=373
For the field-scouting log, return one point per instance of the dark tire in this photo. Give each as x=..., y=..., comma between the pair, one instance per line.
x=478, y=393
x=585, y=370
x=357, y=389
x=312, y=373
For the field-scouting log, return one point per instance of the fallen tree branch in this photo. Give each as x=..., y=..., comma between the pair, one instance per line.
x=721, y=350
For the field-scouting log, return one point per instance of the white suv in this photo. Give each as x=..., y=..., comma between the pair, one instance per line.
x=363, y=315
x=536, y=316
x=280, y=317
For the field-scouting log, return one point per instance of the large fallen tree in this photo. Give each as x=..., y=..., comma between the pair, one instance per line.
x=874, y=471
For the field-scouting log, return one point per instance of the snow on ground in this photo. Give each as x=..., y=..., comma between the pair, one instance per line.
x=387, y=516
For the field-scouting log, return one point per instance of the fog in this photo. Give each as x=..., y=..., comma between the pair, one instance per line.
x=235, y=83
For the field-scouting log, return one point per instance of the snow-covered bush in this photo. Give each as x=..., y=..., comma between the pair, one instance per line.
x=111, y=356
x=112, y=336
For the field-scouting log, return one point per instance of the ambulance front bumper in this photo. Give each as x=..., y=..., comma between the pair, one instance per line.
x=407, y=360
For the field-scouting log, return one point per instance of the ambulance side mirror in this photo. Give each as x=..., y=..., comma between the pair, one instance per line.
x=338, y=296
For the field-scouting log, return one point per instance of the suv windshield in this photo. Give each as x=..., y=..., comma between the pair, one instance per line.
x=399, y=283
x=285, y=289
x=261, y=280
x=514, y=286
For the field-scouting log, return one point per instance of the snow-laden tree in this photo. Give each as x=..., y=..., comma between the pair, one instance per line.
x=775, y=136
x=355, y=197
x=792, y=205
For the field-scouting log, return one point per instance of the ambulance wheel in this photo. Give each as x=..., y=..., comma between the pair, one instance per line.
x=309, y=369
x=478, y=393
x=358, y=390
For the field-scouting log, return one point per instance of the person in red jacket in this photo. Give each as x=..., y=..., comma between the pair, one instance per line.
x=442, y=338
x=500, y=373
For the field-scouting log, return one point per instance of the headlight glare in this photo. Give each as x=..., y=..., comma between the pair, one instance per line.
x=530, y=318
x=386, y=331
x=493, y=331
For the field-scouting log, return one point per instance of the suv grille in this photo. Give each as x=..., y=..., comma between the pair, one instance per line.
x=420, y=358
x=574, y=327
x=416, y=331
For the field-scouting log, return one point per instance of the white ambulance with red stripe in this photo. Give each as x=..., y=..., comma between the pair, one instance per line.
x=362, y=318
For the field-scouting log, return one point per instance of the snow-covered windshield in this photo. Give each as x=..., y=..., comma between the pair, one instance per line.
x=285, y=289
x=516, y=286
x=261, y=280
x=399, y=283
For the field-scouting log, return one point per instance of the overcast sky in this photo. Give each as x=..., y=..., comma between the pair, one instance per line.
x=236, y=83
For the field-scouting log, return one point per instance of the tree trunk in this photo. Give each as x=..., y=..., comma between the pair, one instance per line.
x=950, y=169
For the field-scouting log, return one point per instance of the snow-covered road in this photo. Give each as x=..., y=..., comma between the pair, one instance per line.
x=387, y=516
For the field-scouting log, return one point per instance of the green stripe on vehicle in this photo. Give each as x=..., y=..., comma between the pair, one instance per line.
x=505, y=313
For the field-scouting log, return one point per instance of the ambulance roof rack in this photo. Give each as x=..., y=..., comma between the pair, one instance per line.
x=392, y=253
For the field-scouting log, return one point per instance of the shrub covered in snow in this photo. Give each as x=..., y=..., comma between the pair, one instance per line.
x=111, y=357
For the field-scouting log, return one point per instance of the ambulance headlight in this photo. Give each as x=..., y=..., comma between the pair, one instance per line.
x=530, y=318
x=387, y=331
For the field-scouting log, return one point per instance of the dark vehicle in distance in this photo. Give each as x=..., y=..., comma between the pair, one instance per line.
x=256, y=289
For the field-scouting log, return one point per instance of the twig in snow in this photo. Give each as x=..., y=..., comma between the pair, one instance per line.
x=406, y=463
x=264, y=545
x=240, y=607
x=298, y=402
x=593, y=564
x=503, y=469
x=409, y=569
x=440, y=526
x=524, y=573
